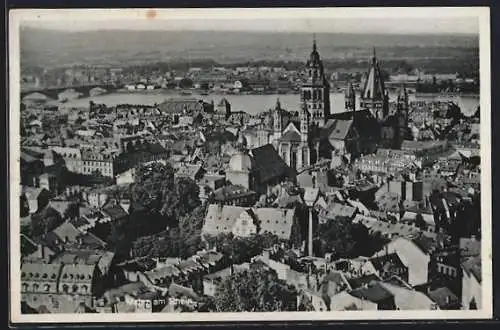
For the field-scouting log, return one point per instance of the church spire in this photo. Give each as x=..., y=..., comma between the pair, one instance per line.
x=374, y=95
x=315, y=48
x=278, y=104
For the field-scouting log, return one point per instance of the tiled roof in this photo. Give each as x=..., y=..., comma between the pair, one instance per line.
x=40, y=272
x=276, y=221
x=77, y=273
x=220, y=219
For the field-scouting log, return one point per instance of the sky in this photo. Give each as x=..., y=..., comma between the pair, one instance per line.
x=326, y=20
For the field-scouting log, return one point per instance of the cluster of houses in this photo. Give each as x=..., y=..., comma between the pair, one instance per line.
x=280, y=173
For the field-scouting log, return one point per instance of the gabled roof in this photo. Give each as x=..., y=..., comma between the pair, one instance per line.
x=221, y=219
x=337, y=129
x=291, y=136
x=67, y=230
x=276, y=221
x=78, y=273
x=38, y=271
x=374, y=87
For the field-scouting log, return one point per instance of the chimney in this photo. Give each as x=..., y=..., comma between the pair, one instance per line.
x=41, y=251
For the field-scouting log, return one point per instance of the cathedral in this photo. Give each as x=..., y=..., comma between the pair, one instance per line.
x=316, y=133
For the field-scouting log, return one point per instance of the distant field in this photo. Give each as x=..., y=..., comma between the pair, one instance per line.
x=46, y=48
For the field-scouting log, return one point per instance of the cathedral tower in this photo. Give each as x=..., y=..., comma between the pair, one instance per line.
x=350, y=99
x=315, y=91
x=303, y=151
x=374, y=96
x=277, y=120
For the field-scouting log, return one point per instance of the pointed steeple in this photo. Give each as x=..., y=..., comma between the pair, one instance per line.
x=278, y=104
x=374, y=86
x=403, y=94
x=350, y=97
x=314, y=59
x=374, y=55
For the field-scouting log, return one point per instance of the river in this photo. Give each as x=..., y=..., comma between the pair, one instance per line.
x=252, y=104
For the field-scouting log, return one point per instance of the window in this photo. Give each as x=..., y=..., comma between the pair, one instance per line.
x=75, y=288
x=46, y=288
x=65, y=288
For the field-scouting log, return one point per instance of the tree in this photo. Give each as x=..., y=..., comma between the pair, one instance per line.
x=335, y=237
x=255, y=290
x=242, y=249
x=44, y=222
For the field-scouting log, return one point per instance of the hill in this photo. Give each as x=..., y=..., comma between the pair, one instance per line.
x=47, y=48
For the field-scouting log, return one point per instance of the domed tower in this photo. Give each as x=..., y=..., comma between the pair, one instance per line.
x=315, y=91
x=240, y=170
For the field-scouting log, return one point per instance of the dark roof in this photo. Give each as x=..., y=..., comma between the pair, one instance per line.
x=424, y=243
x=269, y=164
x=337, y=129
x=360, y=281
x=373, y=292
x=392, y=259
x=365, y=123
x=114, y=211
x=444, y=297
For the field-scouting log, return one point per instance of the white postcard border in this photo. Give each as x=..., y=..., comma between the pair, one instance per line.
x=16, y=16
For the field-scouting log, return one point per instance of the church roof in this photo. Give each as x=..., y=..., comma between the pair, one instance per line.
x=374, y=86
x=269, y=164
x=291, y=136
x=337, y=128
